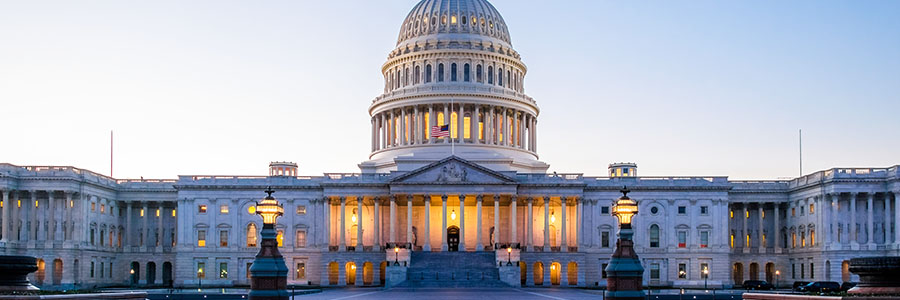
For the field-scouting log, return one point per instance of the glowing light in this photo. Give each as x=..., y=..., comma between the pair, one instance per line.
x=453, y=215
x=269, y=208
x=251, y=210
x=625, y=208
x=552, y=218
x=396, y=249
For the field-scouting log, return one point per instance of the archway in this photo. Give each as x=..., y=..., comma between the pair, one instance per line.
x=538, y=273
x=368, y=275
x=350, y=273
x=57, y=271
x=76, y=270
x=770, y=272
x=333, y=273
x=381, y=270
x=554, y=273
x=737, y=274
x=828, y=270
x=754, y=271
x=453, y=238
x=572, y=270
x=135, y=272
x=523, y=272
x=41, y=274
x=167, y=274
x=151, y=273
x=845, y=271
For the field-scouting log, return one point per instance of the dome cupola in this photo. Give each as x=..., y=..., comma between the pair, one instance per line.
x=453, y=19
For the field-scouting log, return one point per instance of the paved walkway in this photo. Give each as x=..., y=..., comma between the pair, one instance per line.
x=454, y=294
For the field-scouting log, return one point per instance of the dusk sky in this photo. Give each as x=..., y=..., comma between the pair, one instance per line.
x=681, y=88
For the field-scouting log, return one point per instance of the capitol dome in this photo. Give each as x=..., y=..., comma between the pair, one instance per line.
x=432, y=18
x=454, y=67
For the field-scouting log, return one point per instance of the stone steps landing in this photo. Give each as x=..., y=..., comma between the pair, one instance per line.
x=453, y=269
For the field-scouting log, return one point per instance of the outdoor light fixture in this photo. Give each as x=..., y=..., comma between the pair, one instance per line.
x=353, y=217
x=624, y=209
x=777, y=272
x=509, y=256
x=269, y=208
x=552, y=217
x=453, y=215
x=705, y=278
x=199, y=279
x=268, y=273
x=396, y=256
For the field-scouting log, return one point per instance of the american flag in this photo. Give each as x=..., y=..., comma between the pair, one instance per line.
x=440, y=131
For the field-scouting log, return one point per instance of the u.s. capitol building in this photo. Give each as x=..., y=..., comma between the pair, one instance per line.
x=465, y=198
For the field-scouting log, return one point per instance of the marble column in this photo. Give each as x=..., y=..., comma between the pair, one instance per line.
x=460, y=127
x=343, y=234
x=505, y=130
x=444, y=223
x=376, y=225
x=563, y=245
x=432, y=119
x=477, y=130
x=547, y=227
x=417, y=128
x=52, y=233
x=829, y=219
x=496, y=221
x=145, y=231
x=5, y=217
x=513, y=220
x=159, y=229
x=479, y=245
x=67, y=207
x=529, y=225
x=326, y=211
x=409, y=204
x=446, y=122
x=579, y=223
x=745, y=228
x=462, y=223
x=359, y=223
x=760, y=212
x=854, y=237
x=887, y=218
x=896, y=217
x=870, y=222
x=777, y=224
x=427, y=246
x=393, y=220
x=403, y=124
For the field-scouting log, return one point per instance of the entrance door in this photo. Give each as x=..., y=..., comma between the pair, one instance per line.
x=453, y=238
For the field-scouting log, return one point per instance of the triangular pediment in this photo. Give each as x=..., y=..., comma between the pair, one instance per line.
x=453, y=170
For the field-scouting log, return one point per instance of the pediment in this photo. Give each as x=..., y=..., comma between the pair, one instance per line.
x=453, y=170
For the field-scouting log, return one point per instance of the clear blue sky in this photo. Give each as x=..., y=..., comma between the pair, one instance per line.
x=224, y=87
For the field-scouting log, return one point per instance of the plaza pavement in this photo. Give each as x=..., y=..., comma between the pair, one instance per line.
x=453, y=294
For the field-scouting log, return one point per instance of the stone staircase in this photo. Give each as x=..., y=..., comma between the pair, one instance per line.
x=453, y=269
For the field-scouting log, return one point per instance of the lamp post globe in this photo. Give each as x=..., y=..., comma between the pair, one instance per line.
x=624, y=273
x=396, y=256
x=268, y=273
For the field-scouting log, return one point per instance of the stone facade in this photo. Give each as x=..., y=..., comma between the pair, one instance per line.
x=483, y=182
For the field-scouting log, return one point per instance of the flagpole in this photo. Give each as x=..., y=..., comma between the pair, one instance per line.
x=449, y=126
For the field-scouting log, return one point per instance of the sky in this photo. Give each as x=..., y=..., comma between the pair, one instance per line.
x=682, y=88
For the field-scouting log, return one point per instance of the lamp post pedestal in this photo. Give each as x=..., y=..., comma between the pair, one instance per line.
x=268, y=274
x=624, y=273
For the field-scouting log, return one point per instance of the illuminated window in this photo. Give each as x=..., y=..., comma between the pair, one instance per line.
x=747, y=240
x=201, y=208
x=248, y=270
x=223, y=238
x=19, y=203
x=36, y=203
x=793, y=240
x=173, y=212
x=223, y=270
x=763, y=214
x=301, y=210
x=201, y=270
x=704, y=239
x=731, y=214
x=71, y=203
x=731, y=240
x=93, y=206
x=812, y=237
x=793, y=211
x=802, y=239
x=158, y=211
x=452, y=19
x=467, y=127
x=812, y=208
x=102, y=208
x=747, y=214
x=682, y=271
x=453, y=125
x=201, y=238
x=763, y=241
x=251, y=235
x=142, y=211
x=280, y=238
x=301, y=271
x=682, y=239
x=301, y=239
x=223, y=209
x=444, y=19
x=704, y=270
x=654, y=236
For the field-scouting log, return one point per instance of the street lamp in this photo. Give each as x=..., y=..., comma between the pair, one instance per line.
x=777, y=272
x=132, y=276
x=268, y=273
x=509, y=256
x=199, y=279
x=705, y=278
x=396, y=256
x=624, y=273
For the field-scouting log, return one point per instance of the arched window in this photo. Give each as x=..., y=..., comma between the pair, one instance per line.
x=654, y=236
x=490, y=74
x=466, y=71
x=280, y=238
x=406, y=76
x=440, y=73
x=428, y=73
x=508, y=78
x=453, y=72
x=478, y=76
x=251, y=235
x=500, y=77
x=416, y=75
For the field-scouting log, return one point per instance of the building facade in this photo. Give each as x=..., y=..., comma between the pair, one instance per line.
x=453, y=167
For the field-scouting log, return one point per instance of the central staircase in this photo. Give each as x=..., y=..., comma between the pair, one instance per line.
x=453, y=269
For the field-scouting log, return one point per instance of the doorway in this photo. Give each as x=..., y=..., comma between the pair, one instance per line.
x=453, y=239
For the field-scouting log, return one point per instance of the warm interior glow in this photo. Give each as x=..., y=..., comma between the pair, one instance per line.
x=142, y=212
x=396, y=249
x=427, y=121
x=453, y=215
x=453, y=125
x=269, y=209
x=480, y=130
x=453, y=20
x=157, y=212
x=625, y=209
x=731, y=214
x=353, y=218
x=201, y=243
x=280, y=238
x=173, y=212
x=19, y=203
x=467, y=127
x=223, y=209
x=552, y=218
x=508, y=249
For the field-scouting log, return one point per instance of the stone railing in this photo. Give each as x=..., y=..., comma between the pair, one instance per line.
x=468, y=88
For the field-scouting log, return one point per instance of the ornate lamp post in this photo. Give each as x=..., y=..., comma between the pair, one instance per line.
x=199, y=279
x=396, y=256
x=705, y=278
x=509, y=256
x=268, y=274
x=624, y=273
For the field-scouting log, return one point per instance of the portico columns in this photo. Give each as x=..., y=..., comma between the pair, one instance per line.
x=761, y=242
x=529, y=225
x=376, y=226
x=829, y=215
x=5, y=216
x=513, y=222
x=854, y=238
x=444, y=222
x=745, y=241
x=32, y=209
x=546, y=227
x=462, y=222
x=887, y=218
x=359, y=223
x=896, y=217
x=52, y=233
x=145, y=231
x=777, y=222
x=870, y=223
x=393, y=219
x=343, y=244
x=496, y=221
x=579, y=223
x=479, y=246
x=427, y=246
x=326, y=210
x=159, y=228
x=563, y=245
x=409, y=204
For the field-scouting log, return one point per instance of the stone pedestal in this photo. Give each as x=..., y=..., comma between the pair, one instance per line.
x=14, y=272
x=268, y=274
x=394, y=275
x=624, y=272
x=511, y=274
x=877, y=275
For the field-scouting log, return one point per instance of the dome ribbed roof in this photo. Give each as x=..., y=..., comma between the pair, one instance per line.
x=453, y=17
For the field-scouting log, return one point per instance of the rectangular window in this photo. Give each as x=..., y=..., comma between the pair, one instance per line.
x=93, y=206
x=223, y=270
x=223, y=209
x=92, y=269
x=682, y=239
x=704, y=239
x=793, y=211
x=223, y=238
x=201, y=238
x=604, y=210
x=604, y=239
x=793, y=271
x=747, y=214
x=704, y=270
x=654, y=271
x=682, y=271
x=201, y=208
x=201, y=270
x=301, y=238
x=101, y=269
x=704, y=210
x=731, y=214
x=301, y=210
x=602, y=268
x=812, y=208
x=301, y=271
x=731, y=241
x=802, y=271
x=173, y=212
x=682, y=210
x=102, y=209
x=812, y=270
x=248, y=270
x=142, y=212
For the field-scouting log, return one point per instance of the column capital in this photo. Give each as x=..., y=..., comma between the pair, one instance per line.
x=479, y=197
x=513, y=198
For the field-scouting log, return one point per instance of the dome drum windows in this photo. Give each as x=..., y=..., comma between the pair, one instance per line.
x=440, y=73
x=453, y=72
x=478, y=74
x=466, y=73
x=490, y=75
x=428, y=74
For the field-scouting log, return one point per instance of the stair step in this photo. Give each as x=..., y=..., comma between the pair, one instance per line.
x=453, y=269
